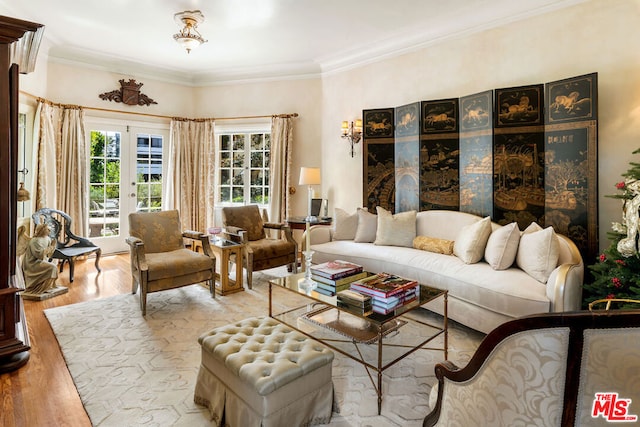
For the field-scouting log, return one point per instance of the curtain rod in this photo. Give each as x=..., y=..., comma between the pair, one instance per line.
x=110, y=110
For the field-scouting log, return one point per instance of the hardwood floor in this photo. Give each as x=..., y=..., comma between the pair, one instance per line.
x=42, y=392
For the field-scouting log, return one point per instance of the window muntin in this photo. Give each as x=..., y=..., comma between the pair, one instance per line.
x=243, y=173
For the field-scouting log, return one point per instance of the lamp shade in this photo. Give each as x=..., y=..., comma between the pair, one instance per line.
x=309, y=176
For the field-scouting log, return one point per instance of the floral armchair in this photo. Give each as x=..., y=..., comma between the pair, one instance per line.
x=561, y=369
x=159, y=259
x=244, y=224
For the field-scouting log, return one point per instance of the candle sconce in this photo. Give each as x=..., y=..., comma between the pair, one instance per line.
x=352, y=132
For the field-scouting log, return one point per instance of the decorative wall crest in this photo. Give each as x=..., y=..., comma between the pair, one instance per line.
x=129, y=93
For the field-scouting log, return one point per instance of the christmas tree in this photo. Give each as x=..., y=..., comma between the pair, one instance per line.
x=616, y=275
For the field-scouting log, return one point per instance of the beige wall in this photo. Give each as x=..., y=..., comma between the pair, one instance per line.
x=596, y=36
x=600, y=36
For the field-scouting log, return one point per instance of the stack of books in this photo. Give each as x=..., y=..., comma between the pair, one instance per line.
x=335, y=276
x=387, y=291
x=355, y=302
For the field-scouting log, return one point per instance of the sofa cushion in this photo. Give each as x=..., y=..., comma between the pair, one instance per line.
x=345, y=224
x=432, y=244
x=472, y=240
x=538, y=252
x=502, y=246
x=395, y=230
x=367, y=227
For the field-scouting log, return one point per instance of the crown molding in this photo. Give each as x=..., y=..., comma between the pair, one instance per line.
x=399, y=44
x=417, y=40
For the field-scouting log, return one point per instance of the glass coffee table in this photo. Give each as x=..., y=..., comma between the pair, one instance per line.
x=377, y=341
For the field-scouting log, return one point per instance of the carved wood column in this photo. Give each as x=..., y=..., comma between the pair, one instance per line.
x=14, y=337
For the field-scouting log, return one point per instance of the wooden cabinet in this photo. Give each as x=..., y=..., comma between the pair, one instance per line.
x=14, y=337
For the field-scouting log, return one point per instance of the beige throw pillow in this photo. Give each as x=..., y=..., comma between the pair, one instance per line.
x=395, y=230
x=471, y=241
x=367, y=227
x=345, y=224
x=432, y=244
x=538, y=252
x=502, y=247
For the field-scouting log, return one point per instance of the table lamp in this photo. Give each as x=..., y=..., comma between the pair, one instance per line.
x=309, y=177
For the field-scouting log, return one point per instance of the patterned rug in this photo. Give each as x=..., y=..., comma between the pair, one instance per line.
x=135, y=371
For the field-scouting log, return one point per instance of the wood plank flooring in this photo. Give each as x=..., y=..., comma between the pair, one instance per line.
x=42, y=393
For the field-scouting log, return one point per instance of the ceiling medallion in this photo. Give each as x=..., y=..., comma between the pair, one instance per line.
x=129, y=93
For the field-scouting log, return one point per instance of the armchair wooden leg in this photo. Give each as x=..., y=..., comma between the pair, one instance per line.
x=249, y=267
x=98, y=253
x=143, y=301
x=71, y=269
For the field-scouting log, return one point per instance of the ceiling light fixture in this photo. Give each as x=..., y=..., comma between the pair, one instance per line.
x=189, y=37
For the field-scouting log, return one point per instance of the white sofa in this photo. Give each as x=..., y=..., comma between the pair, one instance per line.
x=479, y=296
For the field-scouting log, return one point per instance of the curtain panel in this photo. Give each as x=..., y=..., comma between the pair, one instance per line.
x=61, y=177
x=280, y=167
x=190, y=183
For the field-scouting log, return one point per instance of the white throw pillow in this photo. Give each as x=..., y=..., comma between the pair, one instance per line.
x=395, y=230
x=345, y=224
x=471, y=241
x=502, y=246
x=367, y=227
x=538, y=252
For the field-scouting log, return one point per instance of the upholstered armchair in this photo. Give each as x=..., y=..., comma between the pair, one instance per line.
x=545, y=370
x=159, y=259
x=244, y=224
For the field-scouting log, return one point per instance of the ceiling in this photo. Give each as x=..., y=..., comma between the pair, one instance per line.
x=256, y=39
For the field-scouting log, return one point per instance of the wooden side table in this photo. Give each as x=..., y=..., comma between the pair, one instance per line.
x=224, y=250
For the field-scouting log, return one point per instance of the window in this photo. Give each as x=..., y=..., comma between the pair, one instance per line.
x=104, y=194
x=149, y=172
x=243, y=172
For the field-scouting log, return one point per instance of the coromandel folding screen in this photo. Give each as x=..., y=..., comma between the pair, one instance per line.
x=523, y=154
x=439, y=155
x=476, y=154
x=379, y=184
x=407, y=152
x=571, y=184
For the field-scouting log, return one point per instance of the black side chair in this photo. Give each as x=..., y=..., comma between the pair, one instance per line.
x=69, y=245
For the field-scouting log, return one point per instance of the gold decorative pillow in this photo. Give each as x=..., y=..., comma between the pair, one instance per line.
x=432, y=244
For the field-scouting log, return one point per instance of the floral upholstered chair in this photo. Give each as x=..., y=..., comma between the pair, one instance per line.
x=244, y=224
x=561, y=369
x=159, y=259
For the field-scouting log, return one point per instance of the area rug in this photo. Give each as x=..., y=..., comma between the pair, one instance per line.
x=135, y=371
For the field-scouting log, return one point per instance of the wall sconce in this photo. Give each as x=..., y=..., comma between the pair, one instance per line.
x=353, y=132
x=23, y=194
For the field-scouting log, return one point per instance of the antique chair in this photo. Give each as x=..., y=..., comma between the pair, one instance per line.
x=244, y=224
x=69, y=246
x=159, y=259
x=562, y=369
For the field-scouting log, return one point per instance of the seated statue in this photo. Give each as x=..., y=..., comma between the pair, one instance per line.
x=39, y=274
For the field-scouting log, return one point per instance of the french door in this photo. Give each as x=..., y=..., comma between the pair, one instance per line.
x=126, y=170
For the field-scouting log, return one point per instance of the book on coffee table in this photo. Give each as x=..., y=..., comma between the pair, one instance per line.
x=383, y=285
x=342, y=282
x=335, y=269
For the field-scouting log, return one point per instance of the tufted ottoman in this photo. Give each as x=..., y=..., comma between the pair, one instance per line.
x=259, y=372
